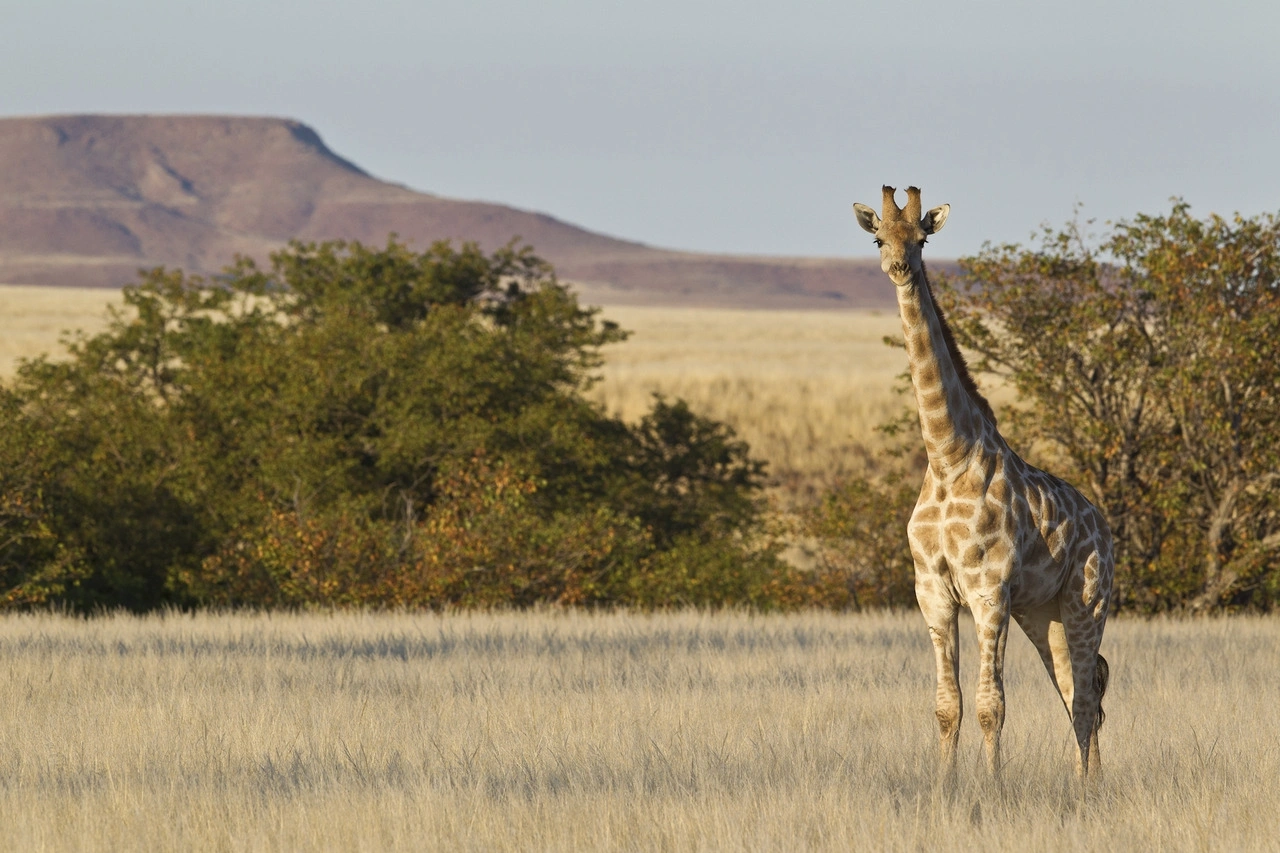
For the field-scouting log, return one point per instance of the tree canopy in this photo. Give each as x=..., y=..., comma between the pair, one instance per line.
x=1147, y=373
x=360, y=425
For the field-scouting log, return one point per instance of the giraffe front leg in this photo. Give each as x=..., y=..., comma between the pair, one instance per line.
x=991, y=618
x=941, y=615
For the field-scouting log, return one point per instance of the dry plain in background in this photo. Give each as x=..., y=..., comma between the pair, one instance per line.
x=33, y=319
x=806, y=389
x=599, y=731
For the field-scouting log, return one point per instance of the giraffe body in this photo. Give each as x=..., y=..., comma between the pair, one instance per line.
x=991, y=532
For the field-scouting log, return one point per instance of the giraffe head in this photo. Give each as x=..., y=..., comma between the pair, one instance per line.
x=901, y=233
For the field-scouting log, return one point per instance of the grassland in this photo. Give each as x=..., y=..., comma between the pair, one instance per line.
x=579, y=731
x=805, y=388
x=33, y=319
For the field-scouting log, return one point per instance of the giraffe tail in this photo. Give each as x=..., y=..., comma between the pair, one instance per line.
x=1100, y=678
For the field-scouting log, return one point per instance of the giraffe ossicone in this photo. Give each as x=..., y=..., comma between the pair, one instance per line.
x=990, y=531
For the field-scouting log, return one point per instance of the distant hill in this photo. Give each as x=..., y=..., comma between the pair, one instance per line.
x=87, y=200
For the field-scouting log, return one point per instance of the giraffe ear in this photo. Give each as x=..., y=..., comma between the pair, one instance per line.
x=866, y=218
x=935, y=219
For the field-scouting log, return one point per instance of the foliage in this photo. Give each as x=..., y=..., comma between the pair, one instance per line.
x=698, y=479
x=859, y=529
x=477, y=545
x=1148, y=375
x=359, y=425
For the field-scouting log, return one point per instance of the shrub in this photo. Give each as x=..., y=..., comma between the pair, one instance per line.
x=357, y=425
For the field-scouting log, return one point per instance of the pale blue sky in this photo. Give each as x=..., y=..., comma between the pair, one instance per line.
x=739, y=126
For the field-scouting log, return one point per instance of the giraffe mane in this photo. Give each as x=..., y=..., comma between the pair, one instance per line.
x=957, y=357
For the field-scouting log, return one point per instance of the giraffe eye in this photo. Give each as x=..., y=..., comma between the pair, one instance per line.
x=879, y=243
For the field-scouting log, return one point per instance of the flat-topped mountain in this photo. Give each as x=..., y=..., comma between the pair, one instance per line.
x=87, y=200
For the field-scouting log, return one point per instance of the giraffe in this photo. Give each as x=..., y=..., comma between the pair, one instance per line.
x=990, y=531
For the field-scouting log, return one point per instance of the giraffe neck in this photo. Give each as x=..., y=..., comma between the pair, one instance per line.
x=954, y=417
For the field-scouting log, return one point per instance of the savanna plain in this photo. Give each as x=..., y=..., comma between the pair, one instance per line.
x=610, y=731
x=566, y=730
x=806, y=389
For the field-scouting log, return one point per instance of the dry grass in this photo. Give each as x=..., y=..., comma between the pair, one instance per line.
x=32, y=319
x=805, y=388
x=578, y=731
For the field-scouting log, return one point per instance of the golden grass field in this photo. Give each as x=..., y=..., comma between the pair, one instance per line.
x=33, y=319
x=806, y=389
x=582, y=731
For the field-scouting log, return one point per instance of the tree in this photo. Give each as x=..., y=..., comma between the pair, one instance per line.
x=352, y=424
x=696, y=477
x=860, y=529
x=1147, y=373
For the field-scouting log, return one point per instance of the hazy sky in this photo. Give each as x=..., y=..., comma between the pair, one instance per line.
x=742, y=126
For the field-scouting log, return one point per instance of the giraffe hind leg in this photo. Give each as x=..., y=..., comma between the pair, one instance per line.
x=1043, y=626
x=1090, y=671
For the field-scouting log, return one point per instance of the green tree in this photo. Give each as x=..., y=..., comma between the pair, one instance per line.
x=1147, y=373
x=298, y=433
x=860, y=532
x=693, y=476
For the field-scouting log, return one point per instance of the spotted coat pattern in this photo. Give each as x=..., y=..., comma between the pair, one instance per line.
x=991, y=532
